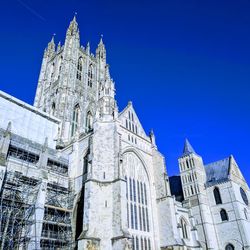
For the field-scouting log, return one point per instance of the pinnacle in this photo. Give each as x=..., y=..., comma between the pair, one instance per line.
x=101, y=41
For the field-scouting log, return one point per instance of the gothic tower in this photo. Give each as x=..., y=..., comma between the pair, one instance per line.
x=193, y=178
x=70, y=82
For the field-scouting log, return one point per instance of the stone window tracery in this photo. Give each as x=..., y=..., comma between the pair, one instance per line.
x=138, y=202
x=184, y=229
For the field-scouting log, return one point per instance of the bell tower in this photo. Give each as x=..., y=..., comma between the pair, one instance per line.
x=73, y=83
x=193, y=179
x=193, y=175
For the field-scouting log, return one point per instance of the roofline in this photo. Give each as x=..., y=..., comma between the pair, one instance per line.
x=28, y=107
x=214, y=162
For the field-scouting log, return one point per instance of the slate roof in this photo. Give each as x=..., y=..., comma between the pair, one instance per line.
x=217, y=171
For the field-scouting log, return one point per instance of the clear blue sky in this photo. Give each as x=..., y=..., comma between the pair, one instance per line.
x=184, y=64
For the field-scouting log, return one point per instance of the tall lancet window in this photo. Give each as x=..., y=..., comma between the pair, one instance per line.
x=79, y=69
x=217, y=196
x=75, y=120
x=89, y=122
x=90, y=75
x=184, y=229
x=139, y=215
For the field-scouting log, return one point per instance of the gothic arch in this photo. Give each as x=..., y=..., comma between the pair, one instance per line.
x=138, y=154
x=138, y=194
x=217, y=196
x=184, y=224
x=224, y=215
x=75, y=121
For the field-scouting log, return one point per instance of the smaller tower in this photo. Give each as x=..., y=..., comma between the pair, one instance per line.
x=51, y=47
x=101, y=60
x=101, y=51
x=107, y=104
x=193, y=175
x=193, y=178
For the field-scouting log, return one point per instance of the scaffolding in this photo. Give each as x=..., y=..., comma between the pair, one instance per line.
x=57, y=231
x=20, y=228
x=17, y=206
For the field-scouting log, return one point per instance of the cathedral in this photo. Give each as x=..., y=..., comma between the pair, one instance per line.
x=77, y=173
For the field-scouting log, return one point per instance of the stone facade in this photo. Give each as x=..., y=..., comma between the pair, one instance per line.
x=87, y=176
x=217, y=196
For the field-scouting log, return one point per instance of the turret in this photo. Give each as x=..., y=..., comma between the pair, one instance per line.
x=192, y=171
x=72, y=41
x=101, y=51
x=51, y=47
x=107, y=103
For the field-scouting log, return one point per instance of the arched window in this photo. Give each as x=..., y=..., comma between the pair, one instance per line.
x=90, y=75
x=89, y=121
x=79, y=69
x=229, y=247
x=75, y=119
x=139, y=206
x=217, y=196
x=223, y=215
x=184, y=229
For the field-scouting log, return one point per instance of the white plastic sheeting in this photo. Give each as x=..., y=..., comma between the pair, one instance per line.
x=27, y=121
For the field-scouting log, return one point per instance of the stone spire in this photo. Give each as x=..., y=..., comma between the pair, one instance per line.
x=188, y=149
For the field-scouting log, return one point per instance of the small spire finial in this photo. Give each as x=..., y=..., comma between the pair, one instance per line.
x=101, y=42
x=75, y=14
